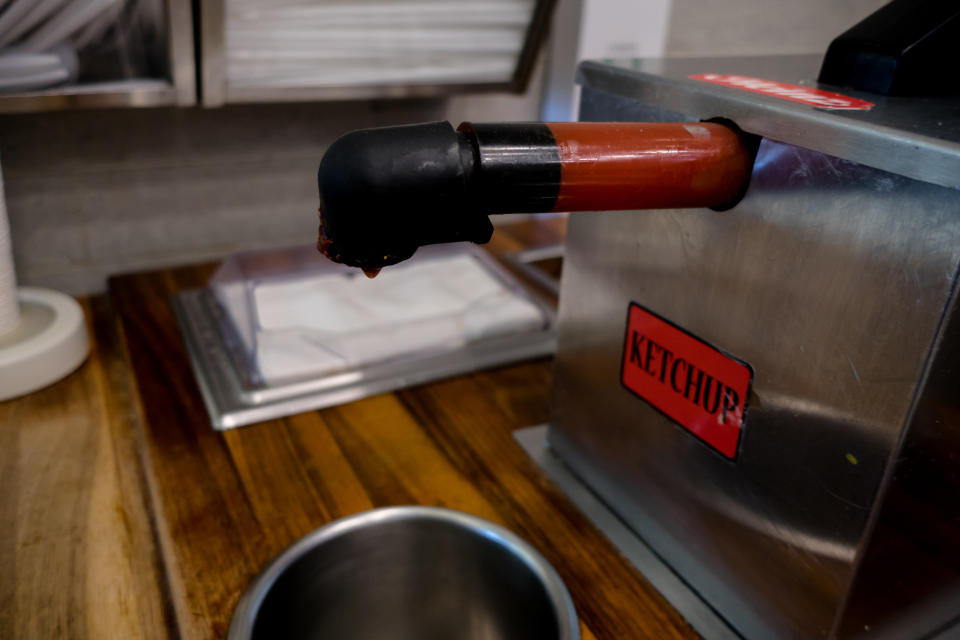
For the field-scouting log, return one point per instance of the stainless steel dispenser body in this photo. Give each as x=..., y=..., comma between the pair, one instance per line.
x=835, y=279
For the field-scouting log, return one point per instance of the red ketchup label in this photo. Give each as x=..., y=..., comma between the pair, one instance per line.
x=694, y=384
x=785, y=91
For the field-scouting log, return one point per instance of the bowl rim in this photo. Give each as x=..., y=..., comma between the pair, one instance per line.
x=241, y=624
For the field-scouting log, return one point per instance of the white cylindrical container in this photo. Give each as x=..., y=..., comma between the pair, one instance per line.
x=9, y=306
x=43, y=335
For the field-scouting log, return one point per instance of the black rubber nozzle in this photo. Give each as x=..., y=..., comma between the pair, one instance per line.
x=385, y=192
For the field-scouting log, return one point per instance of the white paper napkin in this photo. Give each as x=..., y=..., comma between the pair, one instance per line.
x=329, y=323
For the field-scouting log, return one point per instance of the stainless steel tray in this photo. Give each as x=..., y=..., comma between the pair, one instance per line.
x=234, y=398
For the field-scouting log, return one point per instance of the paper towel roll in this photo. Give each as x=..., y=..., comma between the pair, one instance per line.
x=9, y=305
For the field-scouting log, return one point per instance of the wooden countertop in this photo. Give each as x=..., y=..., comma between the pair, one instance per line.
x=77, y=551
x=133, y=518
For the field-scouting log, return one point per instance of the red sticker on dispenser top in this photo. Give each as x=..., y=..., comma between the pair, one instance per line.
x=785, y=91
x=693, y=383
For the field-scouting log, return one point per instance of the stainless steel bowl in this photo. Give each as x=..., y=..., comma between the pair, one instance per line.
x=408, y=573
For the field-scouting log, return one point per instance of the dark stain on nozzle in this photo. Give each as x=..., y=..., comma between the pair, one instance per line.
x=385, y=192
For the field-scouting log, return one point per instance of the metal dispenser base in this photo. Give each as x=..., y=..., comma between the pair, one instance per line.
x=836, y=280
x=692, y=607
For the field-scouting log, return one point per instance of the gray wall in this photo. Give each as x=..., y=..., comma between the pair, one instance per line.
x=96, y=193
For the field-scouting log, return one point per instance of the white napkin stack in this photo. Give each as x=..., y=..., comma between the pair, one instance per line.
x=329, y=323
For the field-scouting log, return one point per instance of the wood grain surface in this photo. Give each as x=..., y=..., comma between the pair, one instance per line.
x=126, y=516
x=227, y=502
x=77, y=552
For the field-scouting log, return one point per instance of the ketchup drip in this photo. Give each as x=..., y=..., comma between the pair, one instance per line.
x=323, y=242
